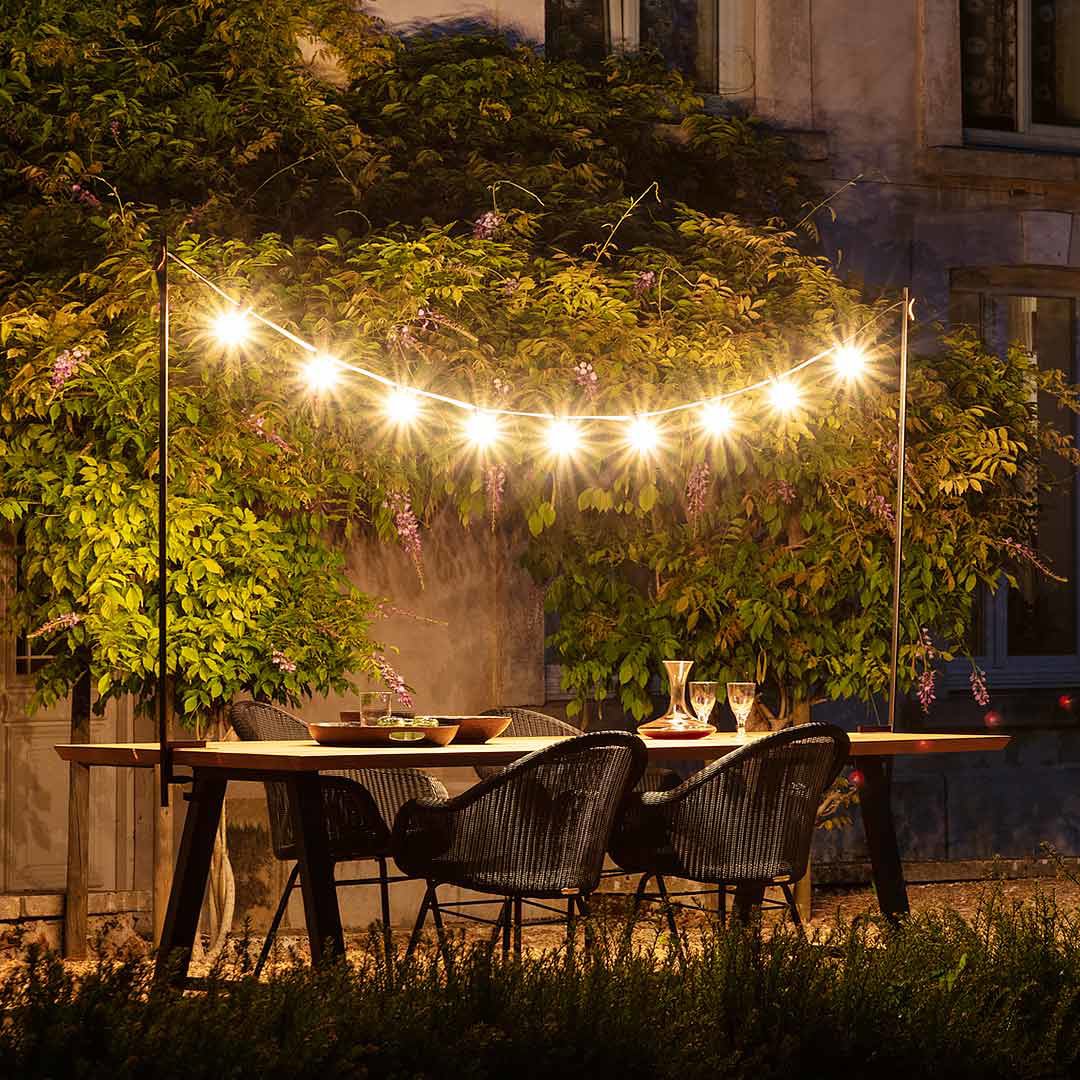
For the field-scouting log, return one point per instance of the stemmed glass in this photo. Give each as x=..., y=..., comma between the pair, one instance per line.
x=702, y=699
x=740, y=696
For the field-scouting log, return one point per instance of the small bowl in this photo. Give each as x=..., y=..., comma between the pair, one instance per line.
x=478, y=729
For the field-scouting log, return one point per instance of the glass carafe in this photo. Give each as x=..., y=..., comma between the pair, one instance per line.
x=678, y=716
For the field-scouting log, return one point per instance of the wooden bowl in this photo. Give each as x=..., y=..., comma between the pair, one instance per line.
x=477, y=729
x=403, y=734
x=653, y=730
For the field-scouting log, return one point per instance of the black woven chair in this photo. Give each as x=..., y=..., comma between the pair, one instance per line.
x=524, y=722
x=745, y=821
x=537, y=829
x=360, y=806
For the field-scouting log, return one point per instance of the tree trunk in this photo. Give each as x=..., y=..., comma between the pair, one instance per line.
x=76, y=896
x=800, y=714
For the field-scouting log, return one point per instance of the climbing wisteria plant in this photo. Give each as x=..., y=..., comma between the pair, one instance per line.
x=471, y=218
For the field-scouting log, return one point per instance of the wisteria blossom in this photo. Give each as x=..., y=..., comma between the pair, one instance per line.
x=408, y=529
x=926, y=683
x=61, y=622
x=257, y=424
x=84, y=195
x=697, y=489
x=394, y=682
x=585, y=376
x=487, y=225
x=282, y=662
x=783, y=491
x=1024, y=553
x=644, y=282
x=882, y=509
x=494, y=486
x=978, y=686
x=66, y=365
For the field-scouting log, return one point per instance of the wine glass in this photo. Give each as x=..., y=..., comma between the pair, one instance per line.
x=740, y=696
x=702, y=699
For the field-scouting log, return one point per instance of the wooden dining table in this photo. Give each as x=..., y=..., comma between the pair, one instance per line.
x=299, y=762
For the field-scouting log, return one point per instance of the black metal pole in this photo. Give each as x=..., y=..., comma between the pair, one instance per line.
x=898, y=547
x=163, y=500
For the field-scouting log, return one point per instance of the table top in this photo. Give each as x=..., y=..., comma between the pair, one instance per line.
x=303, y=755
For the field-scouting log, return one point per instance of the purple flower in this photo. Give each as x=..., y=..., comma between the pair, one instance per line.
x=394, y=682
x=1021, y=551
x=84, y=195
x=257, y=424
x=882, y=510
x=697, y=489
x=926, y=683
x=282, y=662
x=494, y=485
x=585, y=376
x=783, y=491
x=408, y=529
x=61, y=622
x=644, y=282
x=487, y=225
x=65, y=366
x=978, y=686
x=114, y=128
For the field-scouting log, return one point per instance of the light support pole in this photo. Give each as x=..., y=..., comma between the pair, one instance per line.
x=901, y=465
x=162, y=272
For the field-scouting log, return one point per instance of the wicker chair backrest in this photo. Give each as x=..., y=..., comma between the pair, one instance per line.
x=749, y=816
x=538, y=828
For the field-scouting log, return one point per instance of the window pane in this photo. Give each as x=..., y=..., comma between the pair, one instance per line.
x=575, y=30
x=988, y=63
x=671, y=28
x=1042, y=612
x=712, y=41
x=1055, y=61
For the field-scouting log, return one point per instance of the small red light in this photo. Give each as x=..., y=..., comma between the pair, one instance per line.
x=992, y=718
x=856, y=777
x=1066, y=702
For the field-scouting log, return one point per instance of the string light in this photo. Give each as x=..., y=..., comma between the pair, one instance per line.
x=849, y=361
x=644, y=435
x=322, y=372
x=232, y=328
x=482, y=428
x=716, y=418
x=402, y=406
x=563, y=437
x=784, y=396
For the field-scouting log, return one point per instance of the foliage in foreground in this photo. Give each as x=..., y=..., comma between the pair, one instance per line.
x=997, y=997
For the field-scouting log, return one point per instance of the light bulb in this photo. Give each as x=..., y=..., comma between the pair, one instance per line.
x=563, y=437
x=643, y=436
x=232, y=327
x=849, y=361
x=322, y=372
x=716, y=418
x=403, y=405
x=784, y=396
x=482, y=428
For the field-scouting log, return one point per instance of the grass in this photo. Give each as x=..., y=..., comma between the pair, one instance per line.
x=940, y=996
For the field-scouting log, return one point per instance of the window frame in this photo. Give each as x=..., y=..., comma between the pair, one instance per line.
x=1027, y=133
x=1006, y=671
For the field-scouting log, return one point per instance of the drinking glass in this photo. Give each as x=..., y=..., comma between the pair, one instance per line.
x=702, y=699
x=374, y=707
x=740, y=696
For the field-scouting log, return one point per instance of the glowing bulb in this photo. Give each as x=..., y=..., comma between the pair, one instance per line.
x=482, y=428
x=643, y=436
x=784, y=396
x=563, y=437
x=716, y=418
x=232, y=327
x=322, y=372
x=849, y=361
x=403, y=405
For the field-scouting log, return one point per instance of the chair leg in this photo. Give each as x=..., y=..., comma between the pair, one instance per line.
x=517, y=927
x=500, y=922
x=793, y=908
x=276, y=921
x=571, y=924
x=747, y=898
x=721, y=905
x=508, y=925
x=440, y=930
x=421, y=918
x=384, y=897
x=635, y=908
x=669, y=911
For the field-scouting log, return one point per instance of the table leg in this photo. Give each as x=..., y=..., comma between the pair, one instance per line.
x=316, y=868
x=876, y=803
x=191, y=873
x=747, y=898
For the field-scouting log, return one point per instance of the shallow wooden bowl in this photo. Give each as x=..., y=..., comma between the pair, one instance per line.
x=403, y=734
x=477, y=729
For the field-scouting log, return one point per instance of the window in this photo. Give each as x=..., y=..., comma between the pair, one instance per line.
x=1020, y=62
x=1030, y=635
x=710, y=40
